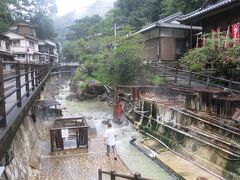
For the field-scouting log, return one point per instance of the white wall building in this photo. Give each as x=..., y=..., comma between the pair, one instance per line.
x=5, y=51
x=48, y=52
x=25, y=48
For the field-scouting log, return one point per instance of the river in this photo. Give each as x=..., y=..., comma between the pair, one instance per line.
x=96, y=112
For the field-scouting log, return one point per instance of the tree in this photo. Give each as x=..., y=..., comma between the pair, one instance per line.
x=125, y=64
x=83, y=28
x=38, y=12
x=26, y=9
x=5, y=16
x=44, y=26
x=185, y=6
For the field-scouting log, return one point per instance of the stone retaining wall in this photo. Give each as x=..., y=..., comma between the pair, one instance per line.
x=22, y=145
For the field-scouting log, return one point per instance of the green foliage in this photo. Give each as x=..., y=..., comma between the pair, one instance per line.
x=214, y=52
x=26, y=9
x=5, y=17
x=157, y=80
x=38, y=12
x=101, y=61
x=82, y=28
x=83, y=85
x=44, y=26
x=185, y=6
x=69, y=51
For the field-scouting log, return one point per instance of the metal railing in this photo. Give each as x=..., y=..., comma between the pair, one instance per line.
x=200, y=77
x=113, y=175
x=17, y=83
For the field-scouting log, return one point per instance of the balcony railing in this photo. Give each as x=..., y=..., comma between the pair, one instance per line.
x=17, y=84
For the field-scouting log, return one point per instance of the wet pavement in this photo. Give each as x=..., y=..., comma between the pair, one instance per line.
x=83, y=164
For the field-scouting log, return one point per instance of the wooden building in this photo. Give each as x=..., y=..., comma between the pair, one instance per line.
x=167, y=40
x=5, y=50
x=215, y=14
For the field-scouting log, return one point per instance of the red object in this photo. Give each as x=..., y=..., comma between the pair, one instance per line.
x=203, y=41
x=197, y=42
x=227, y=37
x=235, y=32
x=117, y=111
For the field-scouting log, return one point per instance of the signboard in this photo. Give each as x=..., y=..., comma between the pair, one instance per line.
x=64, y=133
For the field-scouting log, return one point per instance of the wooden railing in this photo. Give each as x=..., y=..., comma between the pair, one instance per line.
x=200, y=77
x=113, y=175
x=17, y=81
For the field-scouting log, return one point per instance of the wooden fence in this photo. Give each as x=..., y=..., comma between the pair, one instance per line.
x=17, y=83
x=200, y=77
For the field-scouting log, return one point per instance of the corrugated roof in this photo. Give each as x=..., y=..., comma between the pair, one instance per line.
x=169, y=22
x=207, y=7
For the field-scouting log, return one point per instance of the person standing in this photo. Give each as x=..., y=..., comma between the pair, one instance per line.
x=110, y=140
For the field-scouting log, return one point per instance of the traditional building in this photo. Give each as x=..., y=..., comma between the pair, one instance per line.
x=28, y=48
x=25, y=48
x=5, y=50
x=48, y=52
x=215, y=15
x=167, y=40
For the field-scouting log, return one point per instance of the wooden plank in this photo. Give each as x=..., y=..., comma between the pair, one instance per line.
x=168, y=49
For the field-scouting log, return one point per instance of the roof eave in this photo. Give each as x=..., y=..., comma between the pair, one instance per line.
x=208, y=13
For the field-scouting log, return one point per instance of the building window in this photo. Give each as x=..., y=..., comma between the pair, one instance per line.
x=16, y=43
x=8, y=46
x=31, y=44
x=180, y=46
x=21, y=56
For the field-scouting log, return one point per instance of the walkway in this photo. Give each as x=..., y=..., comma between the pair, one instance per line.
x=75, y=164
x=186, y=169
x=82, y=166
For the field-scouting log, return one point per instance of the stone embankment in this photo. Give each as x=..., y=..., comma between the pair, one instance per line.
x=23, y=162
x=194, y=124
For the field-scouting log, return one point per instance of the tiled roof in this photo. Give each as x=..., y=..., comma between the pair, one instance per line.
x=207, y=7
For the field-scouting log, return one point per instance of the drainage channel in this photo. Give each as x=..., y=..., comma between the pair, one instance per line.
x=149, y=154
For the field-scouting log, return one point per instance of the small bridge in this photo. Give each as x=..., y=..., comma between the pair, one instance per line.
x=20, y=85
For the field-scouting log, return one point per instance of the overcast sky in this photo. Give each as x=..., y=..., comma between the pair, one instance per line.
x=82, y=6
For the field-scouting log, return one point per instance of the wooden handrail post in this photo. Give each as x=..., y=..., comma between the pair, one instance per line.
x=3, y=122
x=99, y=174
x=190, y=78
x=208, y=80
x=18, y=85
x=176, y=74
x=137, y=176
x=164, y=72
x=36, y=67
x=32, y=77
x=112, y=175
x=230, y=83
x=27, y=79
